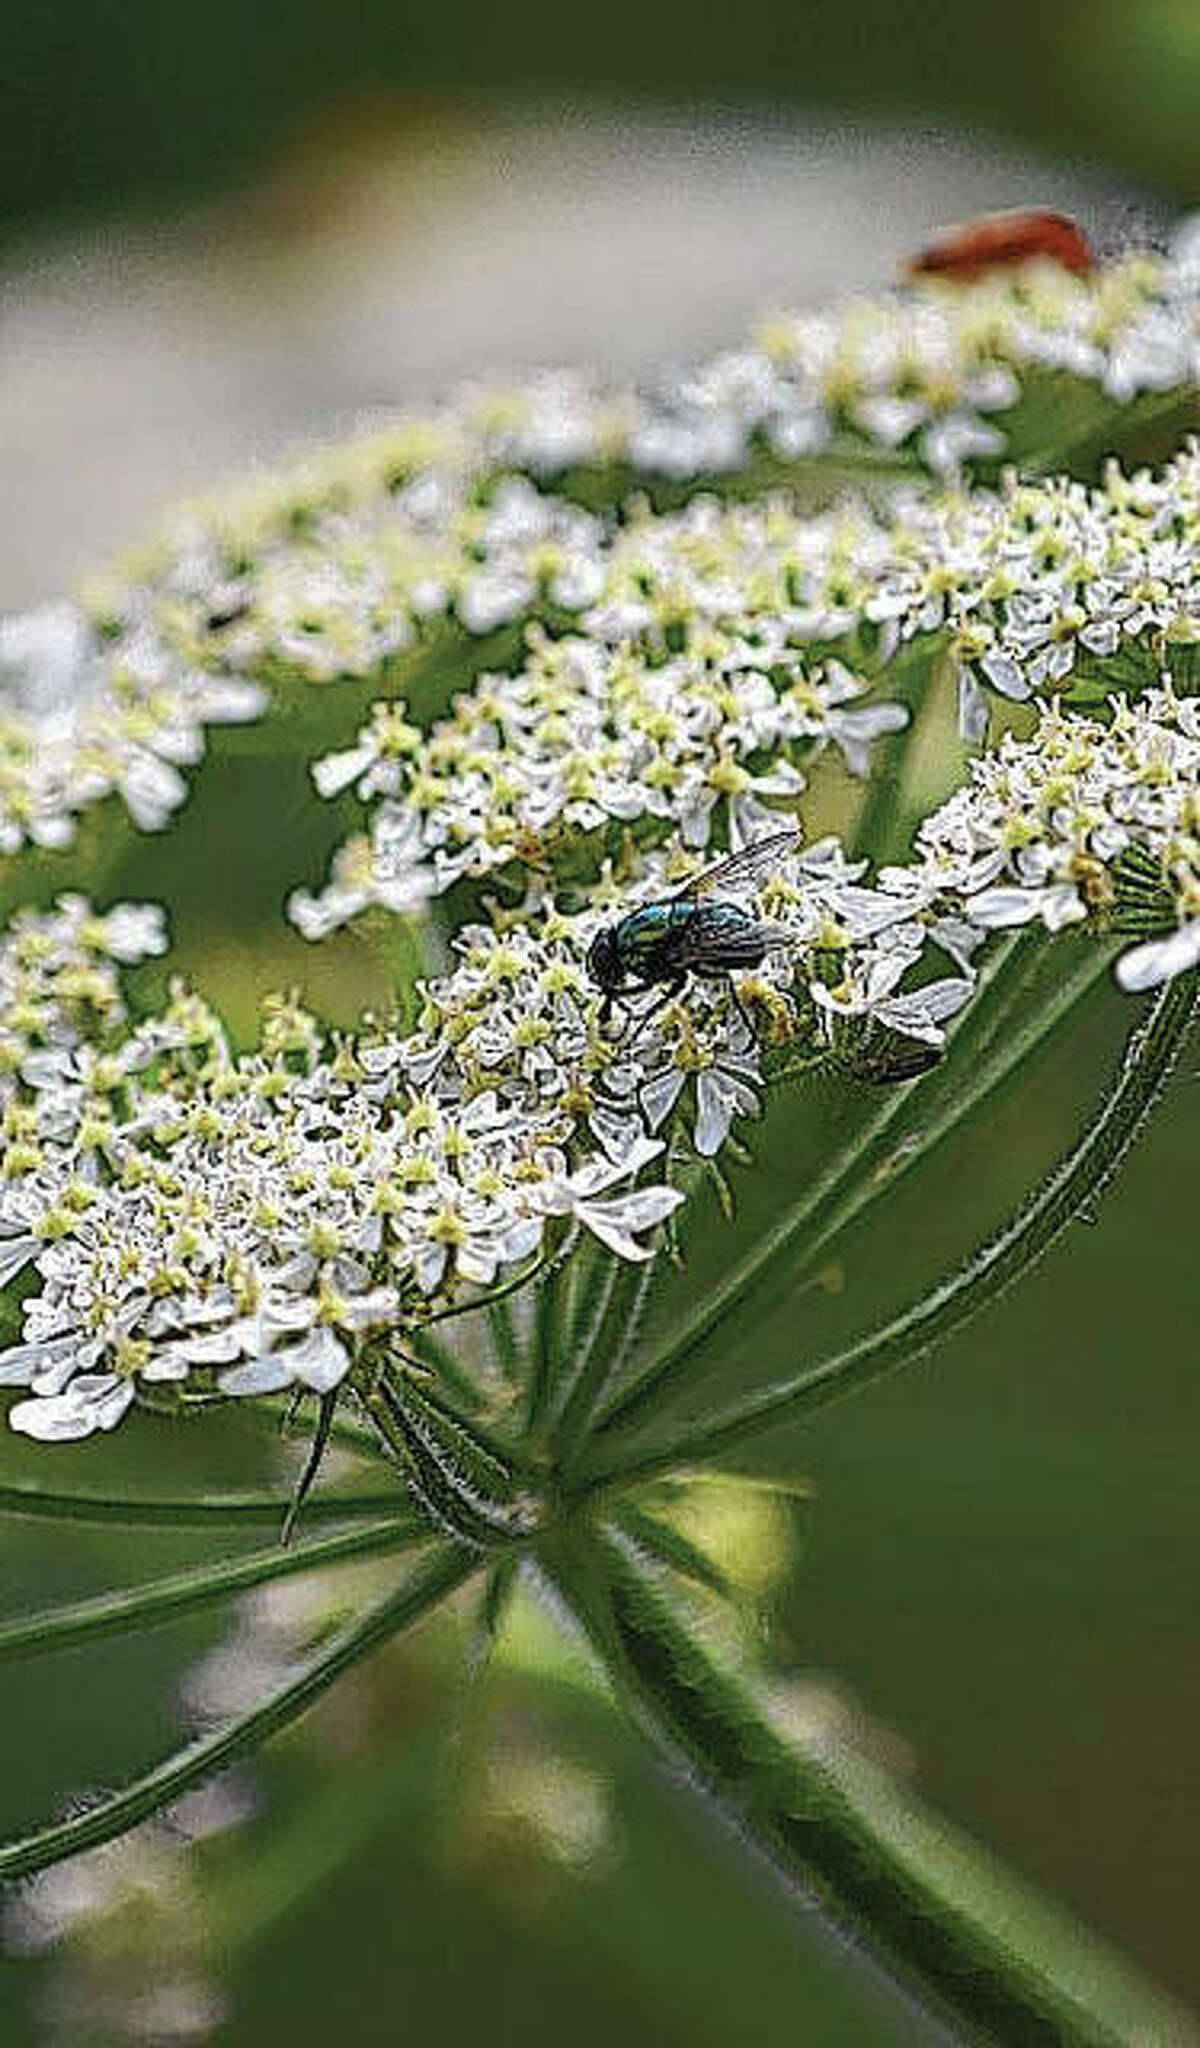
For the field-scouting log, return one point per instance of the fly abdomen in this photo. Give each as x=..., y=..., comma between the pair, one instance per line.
x=719, y=938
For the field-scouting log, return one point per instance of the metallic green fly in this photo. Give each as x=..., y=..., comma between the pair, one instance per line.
x=695, y=931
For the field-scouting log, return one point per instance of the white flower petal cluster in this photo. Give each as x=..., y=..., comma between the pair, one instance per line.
x=1039, y=587
x=251, y=1224
x=254, y=1224
x=83, y=717
x=697, y=695
x=520, y=1014
x=585, y=736
x=60, y=991
x=930, y=370
x=1030, y=587
x=657, y=684
x=1044, y=829
x=342, y=569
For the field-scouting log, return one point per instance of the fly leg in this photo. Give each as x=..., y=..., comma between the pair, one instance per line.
x=741, y=1009
x=652, y=1010
x=637, y=1022
x=613, y=1002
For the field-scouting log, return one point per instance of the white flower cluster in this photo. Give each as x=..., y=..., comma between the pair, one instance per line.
x=250, y=1225
x=1029, y=586
x=82, y=717
x=1083, y=820
x=338, y=570
x=202, y=1223
x=254, y=1222
x=1051, y=587
x=520, y=1013
x=705, y=679
x=589, y=734
x=62, y=1015
x=931, y=370
x=341, y=594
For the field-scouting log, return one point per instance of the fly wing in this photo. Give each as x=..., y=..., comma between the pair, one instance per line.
x=718, y=938
x=741, y=870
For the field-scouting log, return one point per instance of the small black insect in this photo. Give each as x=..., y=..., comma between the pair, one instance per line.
x=227, y=614
x=692, y=932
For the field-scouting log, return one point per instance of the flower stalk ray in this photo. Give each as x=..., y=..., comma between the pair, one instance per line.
x=161, y=1600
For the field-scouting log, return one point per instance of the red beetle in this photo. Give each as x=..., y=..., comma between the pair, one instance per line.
x=998, y=240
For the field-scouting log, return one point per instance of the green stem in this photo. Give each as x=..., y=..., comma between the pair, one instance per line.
x=504, y=1340
x=596, y=1273
x=666, y=1545
x=907, y=678
x=468, y=1490
x=975, y=1944
x=168, y=1598
x=430, y=1351
x=431, y=1582
x=235, y=1510
x=1150, y=1055
x=164, y=1600
x=548, y=1311
x=603, y=1360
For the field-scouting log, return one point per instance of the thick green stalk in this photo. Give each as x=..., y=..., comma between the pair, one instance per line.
x=974, y=1944
x=446, y=1568
x=1076, y=1182
x=166, y=1599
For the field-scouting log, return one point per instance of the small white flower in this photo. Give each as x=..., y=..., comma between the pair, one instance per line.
x=1159, y=960
x=93, y=1401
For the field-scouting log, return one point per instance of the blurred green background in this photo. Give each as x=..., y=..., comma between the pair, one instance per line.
x=126, y=104
x=229, y=227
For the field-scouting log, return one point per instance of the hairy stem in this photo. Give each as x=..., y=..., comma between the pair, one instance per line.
x=203, y=1511
x=602, y=1361
x=974, y=1944
x=165, y=1599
